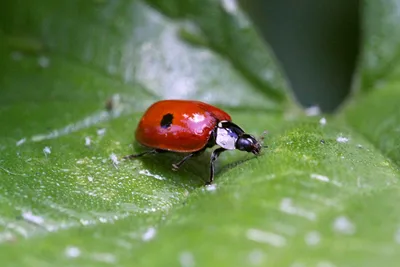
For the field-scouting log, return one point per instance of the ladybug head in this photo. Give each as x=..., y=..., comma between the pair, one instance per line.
x=248, y=143
x=231, y=136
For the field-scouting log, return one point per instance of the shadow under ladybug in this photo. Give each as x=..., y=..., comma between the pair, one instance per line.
x=190, y=173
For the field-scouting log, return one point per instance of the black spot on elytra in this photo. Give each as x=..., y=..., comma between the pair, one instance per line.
x=166, y=120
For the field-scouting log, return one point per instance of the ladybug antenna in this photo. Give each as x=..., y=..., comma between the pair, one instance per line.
x=262, y=137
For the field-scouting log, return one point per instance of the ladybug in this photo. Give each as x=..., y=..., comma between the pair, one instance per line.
x=189, y=126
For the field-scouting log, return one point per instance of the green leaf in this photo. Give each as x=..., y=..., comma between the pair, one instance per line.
x=381, y=46
x=75, y=79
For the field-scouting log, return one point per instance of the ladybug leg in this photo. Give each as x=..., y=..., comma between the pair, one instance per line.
x=133, y=156
x=176, y=166
x=214, y=157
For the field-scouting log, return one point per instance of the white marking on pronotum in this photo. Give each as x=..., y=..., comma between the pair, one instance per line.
x=72, y=252
x=266, y=237
x=28, y=216
x=343, y=225
x=342, y=139
x=148, y=173
x=149, y=234
x=287, y=206
x=20, y=142
x=224, y=139
x=186, y=259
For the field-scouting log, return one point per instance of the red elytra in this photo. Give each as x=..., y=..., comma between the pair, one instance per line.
x=189, y=126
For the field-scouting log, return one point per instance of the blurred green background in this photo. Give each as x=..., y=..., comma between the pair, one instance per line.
x=316, y=42
x=324, y=193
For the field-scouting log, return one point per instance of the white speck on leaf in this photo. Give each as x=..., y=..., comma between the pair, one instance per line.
x=16, y=55
x=324, y=179
x=46, y=151
x=112, y=69
x=319, y=177
x=44, y=61
x=12, y=173
x=90, y=178
x=88, y=141
x=359, y=181
x=397, y=236
x=230, y=6
x=85, y=222
x=114, y=104
x=148, y=173
x=72, y=252
x=342, y=139
x=256, y=257
x=114, y=159
x=186, y=259
x=103, y=220
x=28, y=216
x=313, y=111
x=344, y=226
x=266, y=237
x=91, y=120
x=101, y=132
x=312, y=238
x=6, y=237
x=104, y=257
x=149, y=234
x=20, y=142
x=325, y=264
x=287, y=206
x=211, y=187
x=322, y=121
